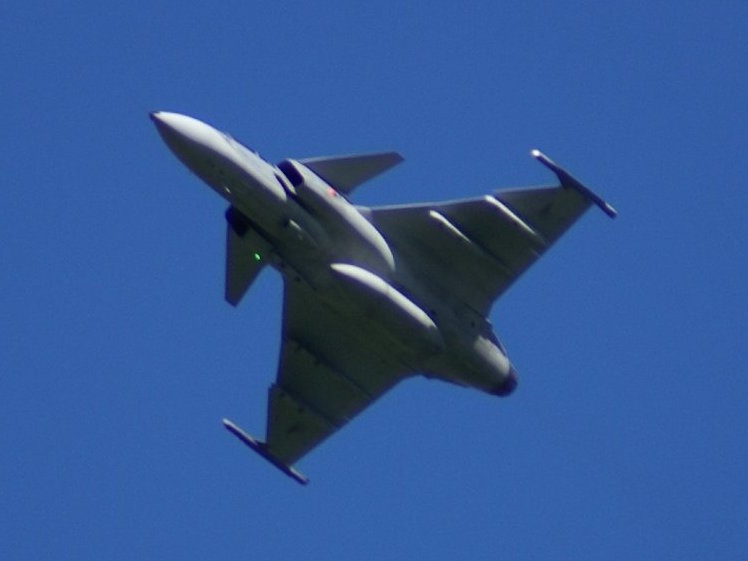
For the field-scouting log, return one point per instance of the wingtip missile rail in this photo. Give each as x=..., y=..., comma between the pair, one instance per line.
x=261, y=449
x=567, y=180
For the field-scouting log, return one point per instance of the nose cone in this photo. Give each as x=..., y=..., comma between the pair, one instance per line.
x=187, y=136
x=157, y=118
x=183, y=126
x=508, y=384
x=161, y=120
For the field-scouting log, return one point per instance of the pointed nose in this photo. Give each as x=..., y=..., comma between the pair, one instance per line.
x=181, y=131
x=166, y=123
x=177, y=123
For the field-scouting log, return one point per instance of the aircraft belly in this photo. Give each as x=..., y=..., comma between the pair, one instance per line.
x=371, y=298
x=371, y=295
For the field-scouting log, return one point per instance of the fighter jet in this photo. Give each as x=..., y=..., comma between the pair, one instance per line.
x=371, y=295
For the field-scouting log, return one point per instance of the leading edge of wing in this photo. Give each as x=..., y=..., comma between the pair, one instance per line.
x=473, y=249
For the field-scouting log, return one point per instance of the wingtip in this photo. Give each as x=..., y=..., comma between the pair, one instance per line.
x=609, y=210
x=545, y=160
x=567, y=180
x=261, y=449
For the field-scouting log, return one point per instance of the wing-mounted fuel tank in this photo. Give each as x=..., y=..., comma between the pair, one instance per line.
x=355, y=236
x=401, y=320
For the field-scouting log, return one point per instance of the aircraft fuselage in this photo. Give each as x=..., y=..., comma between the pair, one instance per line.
x=319, y=238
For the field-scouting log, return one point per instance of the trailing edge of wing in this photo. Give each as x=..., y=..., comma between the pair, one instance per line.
x=345, y=173
x=567, y=180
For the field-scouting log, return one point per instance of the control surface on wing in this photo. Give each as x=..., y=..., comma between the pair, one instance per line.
x=472, y=250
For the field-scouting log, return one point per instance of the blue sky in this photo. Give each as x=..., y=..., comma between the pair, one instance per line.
x=628, y=435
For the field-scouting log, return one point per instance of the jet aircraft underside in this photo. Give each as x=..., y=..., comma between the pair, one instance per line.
x=371, y=295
